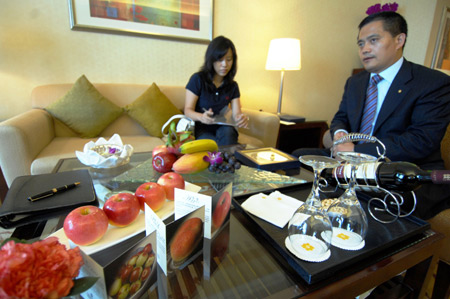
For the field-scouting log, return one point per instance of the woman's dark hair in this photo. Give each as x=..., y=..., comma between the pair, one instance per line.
x=393, y=22
x=217, y=48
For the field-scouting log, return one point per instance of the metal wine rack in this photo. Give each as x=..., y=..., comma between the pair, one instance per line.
x=385, y=205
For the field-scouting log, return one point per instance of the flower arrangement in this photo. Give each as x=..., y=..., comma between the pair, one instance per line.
x=43, y=269
x=378, y=8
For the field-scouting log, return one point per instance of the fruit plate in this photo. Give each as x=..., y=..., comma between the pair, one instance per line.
x=115, y=235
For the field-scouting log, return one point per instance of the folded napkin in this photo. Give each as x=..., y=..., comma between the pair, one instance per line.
x=105, y=153
x=275, y=208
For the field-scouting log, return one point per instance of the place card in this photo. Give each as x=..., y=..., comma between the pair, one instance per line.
x=132, y=272
x=275, y=208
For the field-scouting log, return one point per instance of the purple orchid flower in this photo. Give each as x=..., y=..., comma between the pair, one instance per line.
x=214, y=158
x=378, y=8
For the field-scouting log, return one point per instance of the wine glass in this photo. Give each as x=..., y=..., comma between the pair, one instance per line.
x=348, y=219
x=310, y=228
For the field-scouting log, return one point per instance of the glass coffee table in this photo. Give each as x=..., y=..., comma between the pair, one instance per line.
x=246, y=180
x=247, y=265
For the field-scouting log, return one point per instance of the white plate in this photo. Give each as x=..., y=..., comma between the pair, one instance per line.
x=115, y=235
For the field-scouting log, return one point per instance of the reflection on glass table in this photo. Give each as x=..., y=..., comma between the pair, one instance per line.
x=140, y=170
x=245, y=180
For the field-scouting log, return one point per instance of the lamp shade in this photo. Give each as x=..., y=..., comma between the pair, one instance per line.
x=284, y=54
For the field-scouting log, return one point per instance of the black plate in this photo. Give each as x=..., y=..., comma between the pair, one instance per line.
x=380, y=238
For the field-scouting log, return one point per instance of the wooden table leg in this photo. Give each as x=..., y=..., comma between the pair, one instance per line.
x=418, y=276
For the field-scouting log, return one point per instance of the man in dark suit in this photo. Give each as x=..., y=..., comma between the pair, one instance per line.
x=411, y=110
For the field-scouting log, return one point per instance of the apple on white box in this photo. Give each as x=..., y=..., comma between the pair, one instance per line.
x=170, y=181
x=152, y=194
x=221, y=210
x=122, y=209
x=85, y=225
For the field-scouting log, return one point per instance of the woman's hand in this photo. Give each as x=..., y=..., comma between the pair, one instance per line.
x=207, y=117
x=242, y=120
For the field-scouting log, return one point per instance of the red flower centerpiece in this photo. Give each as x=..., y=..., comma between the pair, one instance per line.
x=43, y=269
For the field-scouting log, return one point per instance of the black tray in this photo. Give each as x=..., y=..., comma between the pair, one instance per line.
x=380, y=237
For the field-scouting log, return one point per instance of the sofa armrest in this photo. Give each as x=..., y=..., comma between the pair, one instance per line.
x=263, y=126
x=22, y=139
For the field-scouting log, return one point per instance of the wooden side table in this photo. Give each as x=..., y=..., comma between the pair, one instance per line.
x=307, y=134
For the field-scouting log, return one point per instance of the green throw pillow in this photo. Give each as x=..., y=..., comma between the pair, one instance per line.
x=151, y=110
x=84, y=109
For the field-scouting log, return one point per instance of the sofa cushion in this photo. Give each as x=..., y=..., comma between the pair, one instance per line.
x=151, y=110
x=85, y=110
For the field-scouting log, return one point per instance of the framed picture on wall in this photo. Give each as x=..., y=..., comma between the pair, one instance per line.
x=185, y=19
x=441, y=55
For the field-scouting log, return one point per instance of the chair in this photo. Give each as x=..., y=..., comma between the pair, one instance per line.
x=441, y=223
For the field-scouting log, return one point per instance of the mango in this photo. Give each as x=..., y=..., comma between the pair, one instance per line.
x=191, y=163
x=186, y=239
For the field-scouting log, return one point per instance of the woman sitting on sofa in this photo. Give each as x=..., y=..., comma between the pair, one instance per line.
x=210, y=91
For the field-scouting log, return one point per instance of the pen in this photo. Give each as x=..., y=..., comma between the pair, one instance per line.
x=52, y=192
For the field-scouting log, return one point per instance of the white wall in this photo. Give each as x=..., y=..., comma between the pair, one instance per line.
x=37, y=47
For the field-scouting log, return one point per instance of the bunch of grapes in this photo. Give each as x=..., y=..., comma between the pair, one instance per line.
x=229, y=164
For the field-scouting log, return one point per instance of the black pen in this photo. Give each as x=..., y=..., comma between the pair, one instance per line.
x=52, y=192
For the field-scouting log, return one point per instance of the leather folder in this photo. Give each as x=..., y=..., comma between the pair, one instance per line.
x=17, y=210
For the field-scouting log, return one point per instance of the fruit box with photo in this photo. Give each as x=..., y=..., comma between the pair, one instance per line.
x=217, y=207
x=129, y=275
x=178, y=242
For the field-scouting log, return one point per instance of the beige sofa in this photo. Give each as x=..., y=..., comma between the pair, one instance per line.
x=33, y=142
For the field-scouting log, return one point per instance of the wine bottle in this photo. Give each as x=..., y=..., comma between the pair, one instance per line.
x=398, y=176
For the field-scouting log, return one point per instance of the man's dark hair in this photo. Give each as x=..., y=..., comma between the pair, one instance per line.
x=393, y=22
x=216, y=50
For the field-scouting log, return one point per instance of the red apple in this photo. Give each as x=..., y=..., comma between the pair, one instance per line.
x=142, y=258
x=170, y=181
x=132, y=260
x=135, y=286
x=122, y=209
x=163, y=162
x=115, y=287
x=221, y=210
x=123, y=291
x=150, y=260
x=85, y=225
x=159, y=149
x=135, y=274
x=145, y=273
x=152, y=194
x=125, y=272
x=148, y=248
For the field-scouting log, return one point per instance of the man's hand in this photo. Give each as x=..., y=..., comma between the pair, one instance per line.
x=344, y=147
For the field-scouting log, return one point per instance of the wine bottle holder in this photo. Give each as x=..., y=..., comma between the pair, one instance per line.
x=359, y=137
x=385, y=208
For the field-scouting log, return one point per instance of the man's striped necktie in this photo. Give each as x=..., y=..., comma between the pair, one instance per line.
x=370, y=106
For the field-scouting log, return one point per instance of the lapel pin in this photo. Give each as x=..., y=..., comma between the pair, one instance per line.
x=399, y=91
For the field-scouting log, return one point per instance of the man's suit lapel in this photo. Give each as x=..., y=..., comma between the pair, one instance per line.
x=359, y=102
x=395, y=94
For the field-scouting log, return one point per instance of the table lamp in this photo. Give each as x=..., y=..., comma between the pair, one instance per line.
x=284, y=55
